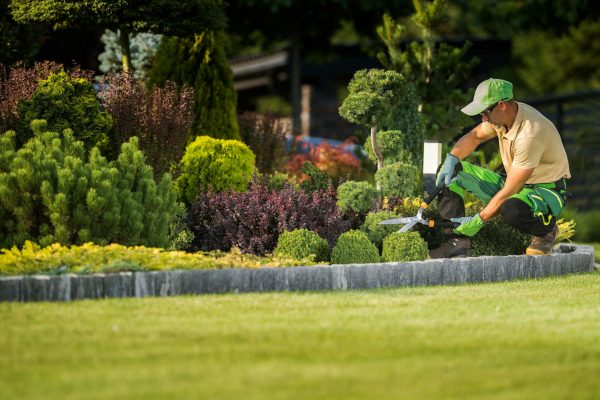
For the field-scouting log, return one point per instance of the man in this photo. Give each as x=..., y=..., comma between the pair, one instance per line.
x=531, y=195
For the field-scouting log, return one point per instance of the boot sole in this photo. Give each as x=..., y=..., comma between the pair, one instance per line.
x=535, y=252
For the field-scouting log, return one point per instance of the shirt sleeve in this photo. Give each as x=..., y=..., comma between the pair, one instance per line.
x=528, y=153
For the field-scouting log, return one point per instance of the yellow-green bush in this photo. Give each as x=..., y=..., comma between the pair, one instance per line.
x=354, y=247
x=376, y=232
x=214, y=164
x=302, y=243
x=404, y=246
x=89, y=258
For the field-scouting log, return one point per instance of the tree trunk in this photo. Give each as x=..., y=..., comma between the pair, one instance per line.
x=295, y=80
x=125, y=49
x=377, y=152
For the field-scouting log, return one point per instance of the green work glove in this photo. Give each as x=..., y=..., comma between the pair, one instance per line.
x=469, y=226
x=444, y=176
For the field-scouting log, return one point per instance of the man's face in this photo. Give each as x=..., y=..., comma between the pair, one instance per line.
x=490, y=115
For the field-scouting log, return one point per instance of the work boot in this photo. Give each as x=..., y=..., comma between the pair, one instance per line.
x=542, y=245
x=455, y=246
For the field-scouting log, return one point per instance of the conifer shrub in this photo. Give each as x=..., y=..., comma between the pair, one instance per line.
x=404, y=246
x=66, y=102
x=354, y=247
x=253, y=220
x=302, y=243
x=161, y=118
x=398, y=180
x=356, y=196
x=200, y=61
x=214, y=164
x=376, y=232
x=18, y=83
x=52, y=190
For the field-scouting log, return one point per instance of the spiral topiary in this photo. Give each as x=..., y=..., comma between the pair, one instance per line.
x=354, y=247
x=405, y=246
x=398, y=180
x=302, y=243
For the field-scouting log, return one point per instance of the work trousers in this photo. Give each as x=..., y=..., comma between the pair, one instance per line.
x=533, y=210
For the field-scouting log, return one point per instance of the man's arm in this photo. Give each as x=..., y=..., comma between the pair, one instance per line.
x=515, y=180
x=471, y=140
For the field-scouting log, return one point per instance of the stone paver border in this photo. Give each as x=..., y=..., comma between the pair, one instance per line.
x=567, y=259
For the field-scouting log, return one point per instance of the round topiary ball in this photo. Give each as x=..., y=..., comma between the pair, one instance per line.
x=354, y=247
x=398, y=180
x=302, y=243
x=405, y=246
x=376, y=232
x=356, y=196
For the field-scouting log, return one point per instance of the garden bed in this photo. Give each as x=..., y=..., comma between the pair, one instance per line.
x=566, y=259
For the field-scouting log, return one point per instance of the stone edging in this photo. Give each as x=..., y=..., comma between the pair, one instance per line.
x=567, y=259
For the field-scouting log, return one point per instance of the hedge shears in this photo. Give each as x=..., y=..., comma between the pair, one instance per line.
x=410, y=222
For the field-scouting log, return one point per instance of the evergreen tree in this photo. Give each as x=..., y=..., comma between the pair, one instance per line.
x=143, y=50
x=170, y=17
x=200, y=61
x=437, y=69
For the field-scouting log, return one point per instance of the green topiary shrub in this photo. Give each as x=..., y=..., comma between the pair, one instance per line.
x=356, y=196
x=66, y=102
x=391, y=145
x=214, y=164
x=496, y=238
x=398, y=180
x=376, y=232
x=405, y=246
x=354, y=247
x=302, y=243
x=51, y=191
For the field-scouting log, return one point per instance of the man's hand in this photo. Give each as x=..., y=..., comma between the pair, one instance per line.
x=469, y=226
x=444, y=177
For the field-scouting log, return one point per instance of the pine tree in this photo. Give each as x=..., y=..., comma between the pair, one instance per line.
x=52, y=191
x=200, y=61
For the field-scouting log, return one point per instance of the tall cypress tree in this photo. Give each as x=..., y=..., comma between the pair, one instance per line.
x=200, y=61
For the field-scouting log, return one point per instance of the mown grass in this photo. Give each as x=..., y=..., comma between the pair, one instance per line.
x=518, y=340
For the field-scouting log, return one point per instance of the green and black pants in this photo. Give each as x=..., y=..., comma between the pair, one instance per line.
x=533, y=210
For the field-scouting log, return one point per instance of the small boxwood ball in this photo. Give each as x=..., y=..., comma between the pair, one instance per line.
x=354, y=247
x=405, y=246
x=302, y=243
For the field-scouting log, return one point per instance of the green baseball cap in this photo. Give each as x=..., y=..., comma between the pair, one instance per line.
x=488, y=93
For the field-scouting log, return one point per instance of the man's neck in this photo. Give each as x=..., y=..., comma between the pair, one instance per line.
x=513, y=109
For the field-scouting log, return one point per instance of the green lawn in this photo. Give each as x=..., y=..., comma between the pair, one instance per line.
x=519, y=340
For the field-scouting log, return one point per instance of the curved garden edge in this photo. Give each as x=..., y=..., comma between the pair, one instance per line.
x=566, y=259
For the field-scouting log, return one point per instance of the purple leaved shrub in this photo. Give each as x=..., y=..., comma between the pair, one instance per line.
x=253, y=220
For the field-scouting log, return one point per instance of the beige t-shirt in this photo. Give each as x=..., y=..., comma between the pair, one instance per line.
x=532, y=142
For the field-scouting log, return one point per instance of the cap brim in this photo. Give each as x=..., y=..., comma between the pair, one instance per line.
x=473, y=108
